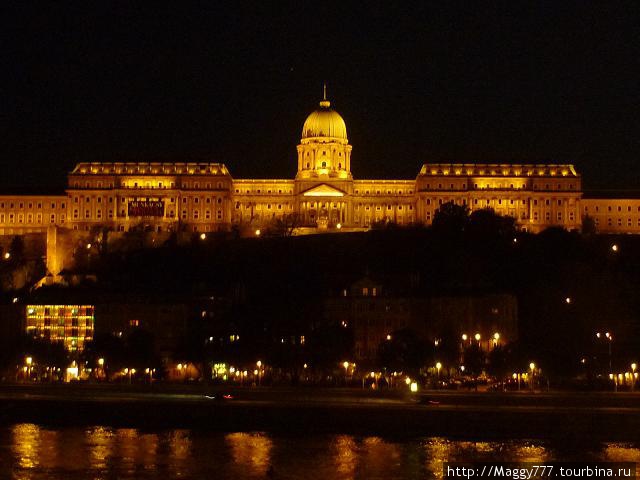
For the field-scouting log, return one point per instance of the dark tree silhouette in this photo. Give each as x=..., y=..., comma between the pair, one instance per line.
x=405, y=352
x=451, y=219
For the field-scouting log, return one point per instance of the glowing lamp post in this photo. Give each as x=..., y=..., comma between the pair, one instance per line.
x=259, y=370
x=438, y=367
x=532, y=366
x=29, y=362
x=633, y=376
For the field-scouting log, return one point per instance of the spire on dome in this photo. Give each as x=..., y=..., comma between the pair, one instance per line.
x=324, y=103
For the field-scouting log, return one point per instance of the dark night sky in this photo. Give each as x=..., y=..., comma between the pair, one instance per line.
x=233, y=83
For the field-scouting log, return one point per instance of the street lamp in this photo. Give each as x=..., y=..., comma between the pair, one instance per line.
x=258, y=232
x=532, y=366
x=614, y=248
x=438, y=367
x=203, y=236
x=609, y=337
x=29, y=362
x=7, y=256
x=633, y=376
x=259, y=370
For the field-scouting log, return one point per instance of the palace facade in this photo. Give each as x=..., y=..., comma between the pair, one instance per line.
x=323, y=196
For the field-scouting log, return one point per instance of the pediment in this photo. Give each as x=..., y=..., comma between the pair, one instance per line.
x=323, y=190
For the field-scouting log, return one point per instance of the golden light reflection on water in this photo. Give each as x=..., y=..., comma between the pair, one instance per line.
x=28, y=451
x=621, y=452
x=136, y=449
x=345, y=455
x=251, y=452
x=100, y=442
x=380, y=456
x=26, y=445
x=440, y=450
x=180, y=445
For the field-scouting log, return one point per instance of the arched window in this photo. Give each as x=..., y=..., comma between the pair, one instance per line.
x=307, y=165
x=339, y=166
x=324, y=164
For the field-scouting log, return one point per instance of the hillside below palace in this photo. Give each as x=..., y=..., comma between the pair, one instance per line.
x=323, y=196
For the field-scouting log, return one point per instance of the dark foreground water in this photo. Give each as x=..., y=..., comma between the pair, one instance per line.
x=28, y=451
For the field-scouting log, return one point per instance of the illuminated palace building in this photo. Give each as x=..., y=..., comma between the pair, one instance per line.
x=204, y=197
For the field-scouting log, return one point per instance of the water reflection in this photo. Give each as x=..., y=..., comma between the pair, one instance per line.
x=26, y=445
x=100, y=443
x=345, y=456
x=250, y=452
x=621, y=452
x=31, y=452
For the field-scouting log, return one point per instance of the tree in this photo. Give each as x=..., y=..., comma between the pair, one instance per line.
x=16, y=249
x=589, y=226
x=404, y=352
x=285, y=226
x=140, y=349
x=499, y=362
x=329, y=346
x=486, y=223
x=474, y=360
x=451, y=219
x=109, y=347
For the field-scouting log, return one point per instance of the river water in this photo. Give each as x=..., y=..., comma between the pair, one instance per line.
x=29, y=451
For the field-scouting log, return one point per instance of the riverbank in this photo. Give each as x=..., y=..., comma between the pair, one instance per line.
x=605, y=417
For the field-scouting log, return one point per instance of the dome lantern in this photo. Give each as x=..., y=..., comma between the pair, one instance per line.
x=324, y=124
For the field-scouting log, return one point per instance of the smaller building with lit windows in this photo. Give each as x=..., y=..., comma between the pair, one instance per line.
x=71, y=325
x=374, y=311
